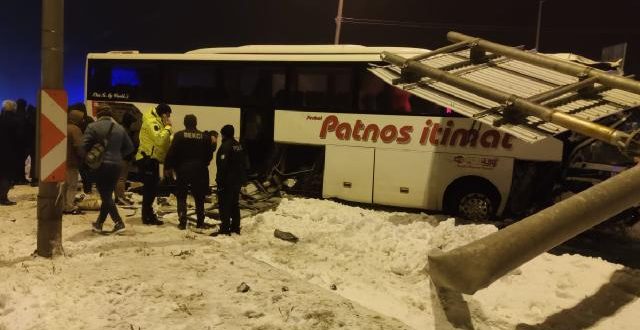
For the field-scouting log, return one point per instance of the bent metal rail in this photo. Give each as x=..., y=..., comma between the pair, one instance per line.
x=476, y=265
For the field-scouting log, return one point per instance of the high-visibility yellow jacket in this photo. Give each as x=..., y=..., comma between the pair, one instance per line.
x=155, y=137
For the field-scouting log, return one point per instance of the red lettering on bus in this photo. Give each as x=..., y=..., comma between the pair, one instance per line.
x=388, y=134
x=328, y=125
x=506, y=141
x=432, y=133
x=433, y=138
x=447, y=131
x=343, y=132
x=405, y=135
x=356, y=130
x=371, y=128
x=425, y=132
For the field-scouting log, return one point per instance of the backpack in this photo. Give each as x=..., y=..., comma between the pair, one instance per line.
x=95, y=155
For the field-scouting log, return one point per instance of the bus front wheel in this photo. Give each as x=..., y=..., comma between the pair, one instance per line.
x=474, y=199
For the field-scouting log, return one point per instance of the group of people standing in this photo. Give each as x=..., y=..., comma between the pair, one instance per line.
x=187, y=155
x=17, y=144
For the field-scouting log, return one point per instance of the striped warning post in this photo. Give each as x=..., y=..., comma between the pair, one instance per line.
x=53, y=135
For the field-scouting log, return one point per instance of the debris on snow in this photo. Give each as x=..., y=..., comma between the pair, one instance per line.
x=285, y=236
x=243, y=287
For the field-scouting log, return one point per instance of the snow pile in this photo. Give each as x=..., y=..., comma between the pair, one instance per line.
x=351, y=268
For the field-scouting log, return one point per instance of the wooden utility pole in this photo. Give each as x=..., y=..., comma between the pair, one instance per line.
x=50, y=194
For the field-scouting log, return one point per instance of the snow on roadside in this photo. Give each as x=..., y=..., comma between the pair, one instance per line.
x=352, y=268
x=378, y=259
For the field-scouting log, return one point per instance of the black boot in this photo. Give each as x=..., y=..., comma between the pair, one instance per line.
x=150, y=218
x=183, y=224
x=155, y=220
x=200, y=224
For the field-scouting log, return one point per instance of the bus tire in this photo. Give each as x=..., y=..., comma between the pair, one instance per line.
x=472, y=198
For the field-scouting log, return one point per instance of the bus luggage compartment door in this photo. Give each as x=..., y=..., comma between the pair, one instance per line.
x=348, y=173
x=401, y=178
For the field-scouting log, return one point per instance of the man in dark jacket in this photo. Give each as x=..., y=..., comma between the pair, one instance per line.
x=85, y=174
x=31, y=136
x=189, y=155
x=118, y=145
x=8, y=141
x=231, y=175
x=23, y=141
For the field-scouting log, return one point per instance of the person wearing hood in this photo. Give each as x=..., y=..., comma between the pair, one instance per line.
x=8, y=140
x=155, y=137
x=118, y=145
x=75, y=154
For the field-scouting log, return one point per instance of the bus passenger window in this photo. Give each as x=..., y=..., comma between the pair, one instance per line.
x=369, y=95
x=259, y=85
x=322, y=88
x=398, y=100
x=123, y=80
x=197, y=85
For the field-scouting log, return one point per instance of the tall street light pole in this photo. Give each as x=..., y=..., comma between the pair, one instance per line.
x=336, y=39
x=53, y=122
x=540, y=3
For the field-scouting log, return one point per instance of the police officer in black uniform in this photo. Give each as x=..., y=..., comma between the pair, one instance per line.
x=189, y=156
x=231, y=175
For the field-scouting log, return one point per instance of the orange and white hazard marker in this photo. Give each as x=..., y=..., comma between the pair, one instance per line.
x=53, y=135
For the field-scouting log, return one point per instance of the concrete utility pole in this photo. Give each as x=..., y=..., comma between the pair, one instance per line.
x=336, y=40
x=49, y=193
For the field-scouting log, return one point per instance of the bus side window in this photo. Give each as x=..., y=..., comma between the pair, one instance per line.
x=124, y=81
x=257, y=85
x=321, y=88
x=369, y=94
x=197, y=84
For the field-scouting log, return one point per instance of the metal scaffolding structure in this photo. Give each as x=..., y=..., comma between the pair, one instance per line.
x=531, y=96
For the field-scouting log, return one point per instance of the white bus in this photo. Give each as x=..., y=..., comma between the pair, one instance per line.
x=316, y=114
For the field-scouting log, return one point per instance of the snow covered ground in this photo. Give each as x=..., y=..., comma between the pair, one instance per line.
x=352, y=269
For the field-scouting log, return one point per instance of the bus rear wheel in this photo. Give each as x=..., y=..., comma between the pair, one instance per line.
x=473, y=200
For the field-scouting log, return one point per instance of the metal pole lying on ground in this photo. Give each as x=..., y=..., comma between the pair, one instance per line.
x=474, y=266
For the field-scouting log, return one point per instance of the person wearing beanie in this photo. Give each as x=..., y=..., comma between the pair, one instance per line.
x=75, y=154
x=231, y=175
x=117, y=146
x=155, y=138
x=188, y=157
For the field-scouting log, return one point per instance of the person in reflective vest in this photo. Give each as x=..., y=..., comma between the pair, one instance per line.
x=155, y=138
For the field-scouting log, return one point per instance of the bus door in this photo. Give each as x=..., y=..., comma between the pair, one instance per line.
x=257, y=137
x=260, y=85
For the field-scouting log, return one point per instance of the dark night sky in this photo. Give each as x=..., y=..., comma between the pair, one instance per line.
x=577, y=26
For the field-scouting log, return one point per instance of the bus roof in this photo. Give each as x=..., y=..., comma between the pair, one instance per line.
x=305, y=49
x=285, y=53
